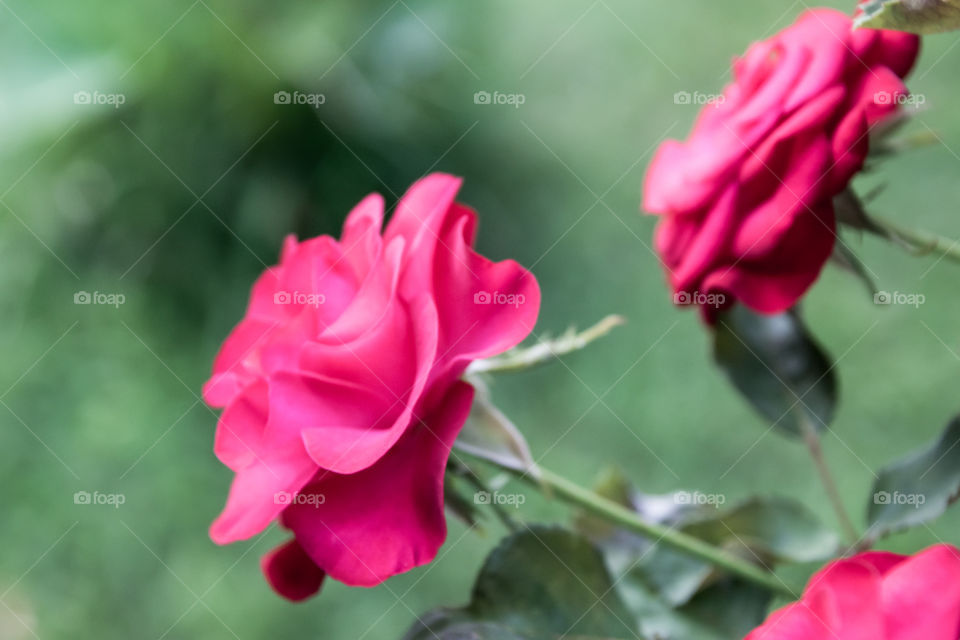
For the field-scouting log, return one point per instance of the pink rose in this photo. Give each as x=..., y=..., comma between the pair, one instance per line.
x=875, y=596
x=341, y=388
x=747, y=200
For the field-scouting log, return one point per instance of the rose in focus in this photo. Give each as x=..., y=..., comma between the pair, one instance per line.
x=746, y=203
x=875, y=596
x=341, y=389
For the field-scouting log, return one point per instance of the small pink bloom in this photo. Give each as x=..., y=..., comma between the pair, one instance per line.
x=747, y=201
x=341, y=390
x=875, y=596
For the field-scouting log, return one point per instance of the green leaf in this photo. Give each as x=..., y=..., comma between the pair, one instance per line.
x=730, y=608
x=726, y=611
x=773, y=529
x=456, y=501
x=490, y=435
x=915, y=16
x=778, y=367
x=847, y=260
x=543, y=583
x=760, y=529
x=851, y=212
x=767, y=530
x=918, y=488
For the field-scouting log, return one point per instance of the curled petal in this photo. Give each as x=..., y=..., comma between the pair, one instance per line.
x=291, y=572
x=365, y=527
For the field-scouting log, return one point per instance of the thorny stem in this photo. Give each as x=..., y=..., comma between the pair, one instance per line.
x=812, y=440
x=556, y=485
x=919, y=241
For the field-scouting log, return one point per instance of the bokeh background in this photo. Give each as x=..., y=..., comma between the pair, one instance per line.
x=178, y=197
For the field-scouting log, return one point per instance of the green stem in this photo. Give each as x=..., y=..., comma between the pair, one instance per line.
x=505, y=519
x=812, y=439
x=921, y=241
x=574, y=494
x=546, y=350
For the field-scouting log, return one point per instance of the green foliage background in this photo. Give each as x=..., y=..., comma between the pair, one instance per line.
x=101, y=199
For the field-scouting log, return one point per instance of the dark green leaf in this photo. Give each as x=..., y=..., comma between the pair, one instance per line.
x=768, y=530
x=918, y=488
x=731, y=608
x=721, y=614
x=458, y=499
x=915, y=16
x=775, y=363
x=542, y=583
x=775, y=529
x=847, y=260
x=851, y=213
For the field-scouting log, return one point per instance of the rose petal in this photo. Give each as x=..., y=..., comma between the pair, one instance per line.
x=707, y=246
x=418, y=219
x=347, y=430
x=291, y=572
x=254, y=500
x=921, y=597
x=240, y=428
x=488, y=307
x=389, y=518
x=360, y=240
x=841, y=602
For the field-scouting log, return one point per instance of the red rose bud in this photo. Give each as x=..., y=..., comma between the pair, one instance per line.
x=747, y=201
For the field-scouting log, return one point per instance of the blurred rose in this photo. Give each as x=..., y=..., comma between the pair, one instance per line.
x=875, y=596
x=746, y=201
x=341, y=387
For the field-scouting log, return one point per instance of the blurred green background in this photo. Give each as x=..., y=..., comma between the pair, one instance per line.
x=178, y=197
